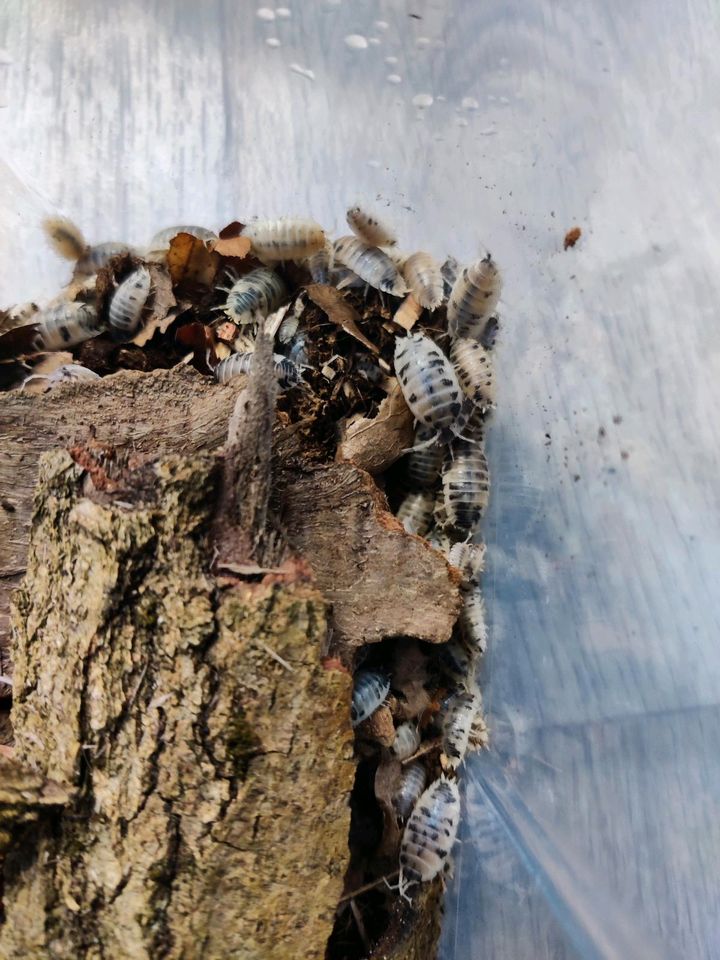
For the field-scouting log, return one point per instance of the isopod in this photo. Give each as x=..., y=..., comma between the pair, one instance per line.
x=407, y=740
x=469, y=558
x=287, y=373
x=449, y=271
x=256, y=294
x=424, y=463
x=474, y=368
x=162, y=239
x=472, y=620
x=474, y=296
x=369, y=691
x=458, y=715
x=66, y=325
x=129, y=300
x=459, y=660
x=429, y=834
x=64, y=374
x=320, y=263
x=285, y=239
x=412, y=784
x=429, y=384
x=371, y=264
x=415, y=512
x=345, y=279
x=438, y=538
x=466, y=486
x=297, y=352
x=489, y=333
x=370, y=228
x=423, y=276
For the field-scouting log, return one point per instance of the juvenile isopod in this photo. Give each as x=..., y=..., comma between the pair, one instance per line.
x=320, y=263
x=128, y=302
x=162, y=239
x=369, y=691
x=474, y=296
x=412, y=784
x=469, y=558
x=371, y=264
x=370, y=228
x=466, y=486
x=298, y=352
x=429, y=834
x=286, y=371
x=64, y=374
x=66, y=325
x=423, y=276
x=407, y=740
x=472, y=620
x=449, y=271
x=256, y=294
x=424, y=463
x=458, y=716
x=474, y=368
x=429, y=384
x=285, y=239
x=415, y=512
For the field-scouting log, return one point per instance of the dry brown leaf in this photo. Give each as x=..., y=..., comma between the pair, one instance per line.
x=339, y=311
x=190, y=262
x=376, y=443
x=162, y=313
x=233, y=247
x=408, y=313
x=233, y=229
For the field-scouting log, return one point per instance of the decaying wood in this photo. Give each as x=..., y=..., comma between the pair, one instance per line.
x=375, y=443
x=204, y=786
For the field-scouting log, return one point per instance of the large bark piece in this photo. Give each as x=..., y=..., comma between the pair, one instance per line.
x=204, y=752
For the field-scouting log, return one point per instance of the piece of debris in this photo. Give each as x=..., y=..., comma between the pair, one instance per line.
x=572, y=237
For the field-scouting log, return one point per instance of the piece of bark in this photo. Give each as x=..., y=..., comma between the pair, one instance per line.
x=375, y=443
x=408, y=313
x=24, y=798
x=210, y=782
x=381, y=581
x=379, y=727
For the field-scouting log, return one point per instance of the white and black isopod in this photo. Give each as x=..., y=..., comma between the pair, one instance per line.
x=449, y=271
x=369, y=691
x=412, y=784
x=371, y=264
x=474, y=296
x=458, y=716
x=415, y=512
x=287, y=373
x=424, y=278
x=473, y=626
x=128, y=302
x=256, y=294
x=370, y=228
x=407, y=740
x=285, y=239
x=469, y=558
x=429, y=834
x=474, y=368
x=424, y=463
x=466, y=486
x=65, y=374
x=429, y=384
x=66, y=325
x=320, y=263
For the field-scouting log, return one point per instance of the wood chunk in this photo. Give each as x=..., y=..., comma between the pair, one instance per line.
x=381, y=581
x=379, y=727
x=408, y=313
x=376, y=443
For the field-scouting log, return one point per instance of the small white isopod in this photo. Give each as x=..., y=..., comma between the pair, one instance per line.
x=415, y=512
x=255, y=295
x=128, y=302
x=407, y=740
x=471, y=621
x=423, y=276
x=370, y=228
x=449, y=271
x=412, y=784
x=66, y=325
x=287, y=373
x=469, y=558
x=320, y=263
x=424, y=463
x=429, y=384
x=285, y=239
x=474, y=368
x=369, y=691
x=474, y=296
x=458, y=716
x=65, y=374
x=429, y=834
x=371, y=264
x=466, y=486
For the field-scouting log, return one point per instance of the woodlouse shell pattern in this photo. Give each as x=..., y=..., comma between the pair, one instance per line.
x=286, y=371
x=370, y=228
x=407, y=740
x=429, y=834
x=474, y=296
x=428, y=382
x=369, y=692
x=466, y=486
x=371, y=264
x=254, y=295
x=129, y=300
x=423, y=276
x=66, y=325
x=412, y=784
x=474, y=368
x=415, y=512
x=285, y=239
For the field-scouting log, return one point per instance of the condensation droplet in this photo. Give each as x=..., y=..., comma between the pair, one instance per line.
x=504, y=61
x=422, y=100
x=302, y=71
x=265, y=13
x=381, y=24
x=441, y=98
x=422, y=42
x=283, y=12
x=491, y=97
x=488, y=132
x=391, y=61
x=461, y=121
x=469, y=103
x=394, y=78
x=272, y=42
x=504, y=100
x=356, y=41
x=374, y=41
x=375, y=164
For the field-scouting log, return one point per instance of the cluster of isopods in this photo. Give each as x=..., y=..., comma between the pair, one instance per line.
x=444, y=367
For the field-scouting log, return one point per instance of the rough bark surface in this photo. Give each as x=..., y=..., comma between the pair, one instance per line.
x=202, y=752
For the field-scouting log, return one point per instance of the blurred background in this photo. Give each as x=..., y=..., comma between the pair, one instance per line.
x=469, y=124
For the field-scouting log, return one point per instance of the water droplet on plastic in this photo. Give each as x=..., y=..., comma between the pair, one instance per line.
x=356, y=41
x=504, y=100
x=374, y=41
x=491, y=96
x=422, y=42
x=441, y=98
x=302, y=71
x=375, y=164
x=394, y=78
x=381, y=24
x=391, y=61
x=469, y=103
x=265, y=13
x=272, y=42
x=461, y=121
x=504, y=61
x=488, y=132
x=283, y=12
x=422, y=100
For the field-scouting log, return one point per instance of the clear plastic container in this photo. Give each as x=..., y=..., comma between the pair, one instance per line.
x=503, y=124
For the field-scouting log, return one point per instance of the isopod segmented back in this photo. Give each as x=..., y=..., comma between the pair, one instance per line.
x=287, y=373
x=320, y=263
x=473, y=626
x=466, y=486
x=469, y=558
x=415, y=512
x=429, y=834
x=474, y=368
x=423, y=276
x=425, y=462
x=449, y=271
x=255, y=295
x=369, y=691
x=66, y=325
x=67, y=373
x=285, y=239
x=407, y=740
x=429, y=383
x=371, y=264
x=458, y=716
x=370, y=228
x=474, y=296
x=412, y=784
x=128, y=302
